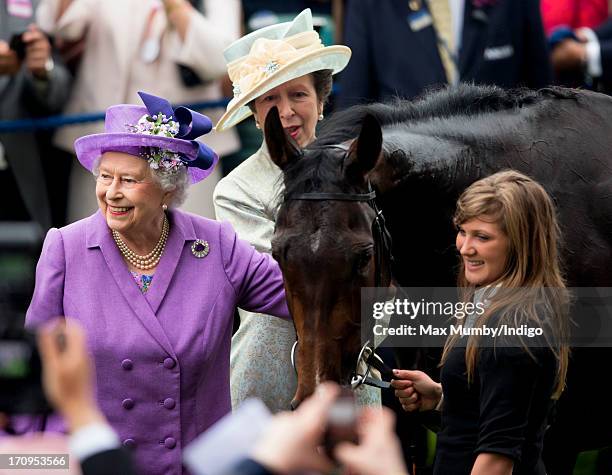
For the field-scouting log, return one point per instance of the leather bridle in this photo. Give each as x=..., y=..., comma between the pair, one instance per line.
x=382, y=250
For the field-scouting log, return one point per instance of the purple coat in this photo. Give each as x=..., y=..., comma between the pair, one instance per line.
x=162, y=358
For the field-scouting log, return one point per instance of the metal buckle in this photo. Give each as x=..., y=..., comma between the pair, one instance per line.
x=358, y=379
x=293, y=363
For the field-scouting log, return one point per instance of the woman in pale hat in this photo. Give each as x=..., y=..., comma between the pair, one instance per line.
x=287, y=67
x=154, y=287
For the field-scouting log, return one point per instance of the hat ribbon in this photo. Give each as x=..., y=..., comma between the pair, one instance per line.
x=192, y=125
x=267, y=56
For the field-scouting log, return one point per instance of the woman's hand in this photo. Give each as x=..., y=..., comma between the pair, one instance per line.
x=38, y=52
x=415, y=390
x=179, y=14
x=569, y=55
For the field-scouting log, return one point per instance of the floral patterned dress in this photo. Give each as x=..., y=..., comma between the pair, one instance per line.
x=143, y=281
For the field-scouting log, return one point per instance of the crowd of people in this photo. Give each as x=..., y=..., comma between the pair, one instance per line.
x=151, y=285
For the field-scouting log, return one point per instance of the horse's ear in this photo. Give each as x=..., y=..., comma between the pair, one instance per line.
x=365, y=150
x=283, y=149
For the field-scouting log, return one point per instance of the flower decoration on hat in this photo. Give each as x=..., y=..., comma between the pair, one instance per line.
x=160, y=125
x=181, y=123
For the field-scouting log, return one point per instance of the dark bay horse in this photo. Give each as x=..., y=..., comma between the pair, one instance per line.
x=418, y=157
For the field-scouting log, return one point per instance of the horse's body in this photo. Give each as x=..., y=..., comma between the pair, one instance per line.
x=431, y=151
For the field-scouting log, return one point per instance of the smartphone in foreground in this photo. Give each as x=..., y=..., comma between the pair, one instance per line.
x=341, y=421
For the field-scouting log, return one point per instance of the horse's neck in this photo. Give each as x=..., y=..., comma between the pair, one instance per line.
x=409, y=157
x=418, y=179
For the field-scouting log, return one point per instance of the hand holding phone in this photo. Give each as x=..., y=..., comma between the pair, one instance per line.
x=292, y=440
x=38, y=60
x=341, y=421
x=379, y=451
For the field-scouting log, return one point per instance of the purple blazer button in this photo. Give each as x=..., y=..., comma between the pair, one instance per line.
x=127, y=364
x=127, y=403
x=170, y=442
x=169, y=403
x=129, y=443
x=169, y=363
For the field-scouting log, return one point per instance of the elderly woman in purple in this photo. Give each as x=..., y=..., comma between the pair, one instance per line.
x=154, y=287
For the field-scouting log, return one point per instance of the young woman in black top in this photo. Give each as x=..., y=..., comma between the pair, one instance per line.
x=495, y=393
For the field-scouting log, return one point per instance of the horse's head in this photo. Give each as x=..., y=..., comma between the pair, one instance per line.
x=325, y=245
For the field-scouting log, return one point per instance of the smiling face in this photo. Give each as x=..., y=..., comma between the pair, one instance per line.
x=298, y=107
x=128, y=195
x=484, y=248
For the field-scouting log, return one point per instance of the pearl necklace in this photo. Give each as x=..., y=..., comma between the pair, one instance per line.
x=152, y=258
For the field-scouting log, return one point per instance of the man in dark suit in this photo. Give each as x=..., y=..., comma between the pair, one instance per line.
x=398, y=46
x=604, y=35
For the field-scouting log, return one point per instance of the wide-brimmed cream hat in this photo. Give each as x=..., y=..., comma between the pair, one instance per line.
x=271, y=56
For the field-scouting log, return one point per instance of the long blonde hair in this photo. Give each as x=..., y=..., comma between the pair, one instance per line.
x=526, y=214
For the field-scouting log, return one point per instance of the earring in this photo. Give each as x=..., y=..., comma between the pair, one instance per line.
x=321, y=116
x=165, y=207
x=257, y=125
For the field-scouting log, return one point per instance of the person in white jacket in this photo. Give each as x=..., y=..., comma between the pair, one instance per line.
x=284, y=66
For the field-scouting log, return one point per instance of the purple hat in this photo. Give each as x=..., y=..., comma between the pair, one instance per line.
x=158, y=133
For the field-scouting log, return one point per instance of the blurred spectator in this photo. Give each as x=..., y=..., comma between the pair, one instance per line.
x=573, y=13
x=33, y=82
x=168, y=48
x=302, y=441
x=402, y=48
x=583, y=57
x=291, y=444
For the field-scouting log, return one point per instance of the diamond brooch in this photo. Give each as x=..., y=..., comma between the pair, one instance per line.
x=200, y=248
x=271, y=67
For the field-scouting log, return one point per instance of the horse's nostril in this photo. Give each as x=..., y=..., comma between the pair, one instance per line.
x=295, y=404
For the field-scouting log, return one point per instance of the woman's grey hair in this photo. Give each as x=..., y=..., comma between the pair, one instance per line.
x=175, y=182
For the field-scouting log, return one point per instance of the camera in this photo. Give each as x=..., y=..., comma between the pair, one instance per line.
x=341, y=421
x=18, y=46
x=21, y=390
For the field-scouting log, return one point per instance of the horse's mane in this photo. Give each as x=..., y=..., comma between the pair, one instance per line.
x=465, y=99
x=321, y=170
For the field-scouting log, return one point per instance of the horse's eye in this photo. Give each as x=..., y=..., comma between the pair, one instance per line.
x=363, y=259
x=275, y=255
x=279, y=252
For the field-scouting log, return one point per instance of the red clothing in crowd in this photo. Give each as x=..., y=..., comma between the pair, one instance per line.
x=573, y=13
